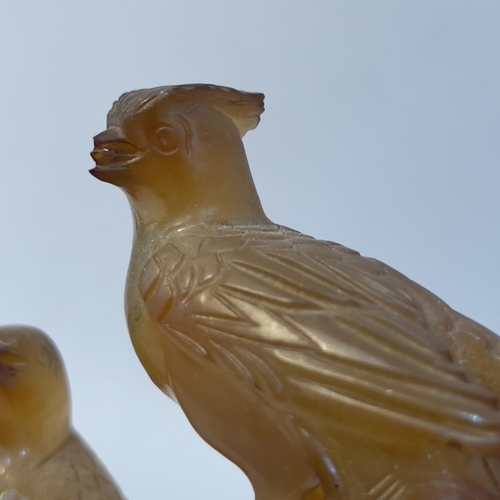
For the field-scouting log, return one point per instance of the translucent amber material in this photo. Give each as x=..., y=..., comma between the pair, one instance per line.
x=322, y=374
x=41, y=456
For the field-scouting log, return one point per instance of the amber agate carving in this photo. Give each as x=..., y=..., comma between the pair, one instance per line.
x=41, y=456
x=322, y=374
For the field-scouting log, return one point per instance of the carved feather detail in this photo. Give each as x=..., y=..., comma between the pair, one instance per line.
x=341, y=339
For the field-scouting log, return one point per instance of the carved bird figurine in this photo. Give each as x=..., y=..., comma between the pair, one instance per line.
x=322, y=374
x=41, y=456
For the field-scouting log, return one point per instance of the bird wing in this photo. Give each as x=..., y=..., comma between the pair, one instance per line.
x=323, y=334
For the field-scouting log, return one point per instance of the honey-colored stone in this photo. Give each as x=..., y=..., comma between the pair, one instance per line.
x=41, y=455
x=322, y=374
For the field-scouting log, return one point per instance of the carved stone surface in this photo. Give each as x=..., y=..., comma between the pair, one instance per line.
x=41, y=456
x=322, y=374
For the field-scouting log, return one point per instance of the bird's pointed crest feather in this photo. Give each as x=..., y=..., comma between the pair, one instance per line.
x=243, y=108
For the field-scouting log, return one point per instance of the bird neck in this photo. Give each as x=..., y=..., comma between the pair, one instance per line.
x=220, y=191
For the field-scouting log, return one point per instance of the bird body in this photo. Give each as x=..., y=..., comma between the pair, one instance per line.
x=41, y=456
x=321, y=373
x=279, y=315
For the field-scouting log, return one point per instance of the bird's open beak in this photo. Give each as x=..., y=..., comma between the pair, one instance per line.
x=112, y=153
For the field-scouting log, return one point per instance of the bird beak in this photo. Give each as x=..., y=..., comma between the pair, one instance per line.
x=112, y=153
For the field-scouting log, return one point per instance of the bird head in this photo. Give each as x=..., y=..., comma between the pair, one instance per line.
x=34, y=394
x=177, y=151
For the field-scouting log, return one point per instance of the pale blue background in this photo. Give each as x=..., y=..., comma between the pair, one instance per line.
x=381, y=132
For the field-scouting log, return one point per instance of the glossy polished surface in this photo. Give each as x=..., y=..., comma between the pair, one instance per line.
x=321, y=373
x=41, y=456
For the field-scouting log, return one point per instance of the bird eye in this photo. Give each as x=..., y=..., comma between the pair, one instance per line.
x=166, y=141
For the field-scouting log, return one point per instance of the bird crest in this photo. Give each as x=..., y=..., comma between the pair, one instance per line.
x=242, y=108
